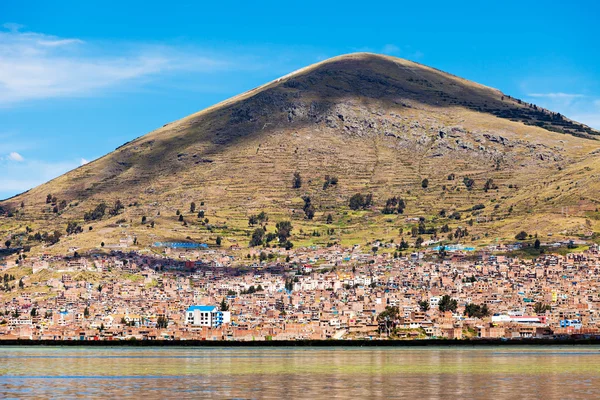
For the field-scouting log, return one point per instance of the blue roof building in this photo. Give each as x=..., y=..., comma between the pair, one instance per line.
x=205, y=315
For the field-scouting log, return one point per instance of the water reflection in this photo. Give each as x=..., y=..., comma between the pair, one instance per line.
x=429, y=373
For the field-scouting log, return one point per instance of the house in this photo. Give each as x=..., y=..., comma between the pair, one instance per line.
x=206, y=316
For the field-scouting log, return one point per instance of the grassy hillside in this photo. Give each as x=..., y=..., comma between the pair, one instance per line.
x=378, y=124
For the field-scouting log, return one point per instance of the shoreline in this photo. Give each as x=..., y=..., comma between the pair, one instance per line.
x=302, y=343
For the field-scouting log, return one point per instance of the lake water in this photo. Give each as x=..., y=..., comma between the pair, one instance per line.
x=294, y=373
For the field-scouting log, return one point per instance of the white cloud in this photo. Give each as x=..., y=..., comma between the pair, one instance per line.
x=418, y=55
x=14, y=142
x=22, y=176
x=590, y=119
x=14, y=156
x=12, y=26
x=391, y=49
x=59, y=42
x=40, y=66
x=582, y=108
x=557, y=95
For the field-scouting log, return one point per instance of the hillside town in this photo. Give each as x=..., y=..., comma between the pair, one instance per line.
x=304, y=294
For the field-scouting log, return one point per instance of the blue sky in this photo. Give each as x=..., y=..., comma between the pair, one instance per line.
x=79, y=79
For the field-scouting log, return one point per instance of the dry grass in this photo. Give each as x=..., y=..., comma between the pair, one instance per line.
x=374, y=122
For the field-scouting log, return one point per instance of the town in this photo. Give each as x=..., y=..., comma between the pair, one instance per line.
x=199, y=293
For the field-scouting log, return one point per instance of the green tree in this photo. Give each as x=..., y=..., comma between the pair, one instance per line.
x=388, y=319
x=309, y=212
x=394, y=204
x=446, y=303
x=489, y=185
x=442, y=253
x=401, y=206
x=86, y=312
x=73, y=228
x=116, y=208
x=257, y=237
x=96, y=213
x=192, y=207
x=537, y=243
x=297, y=181
x=356, y=202
x=284, y=230
x=484, y=310
x=425, y=183
x=403, y=245
x=219, y=240
x=162, y=322
x=252, y=220
x=7, y=244
x=309, y=209
x=418, y=242
x=424, y=305
x=476, y=311
x=521, y=235
x=469, y=183
x=541, y=308
x=224, y=306
x=330, y=180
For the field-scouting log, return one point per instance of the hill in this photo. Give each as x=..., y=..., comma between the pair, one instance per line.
x=456, y=152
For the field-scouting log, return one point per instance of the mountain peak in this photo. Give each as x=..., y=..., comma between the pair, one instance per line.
x=379, y=124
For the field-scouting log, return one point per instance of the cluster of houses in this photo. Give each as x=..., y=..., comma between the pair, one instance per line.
x=312, y=293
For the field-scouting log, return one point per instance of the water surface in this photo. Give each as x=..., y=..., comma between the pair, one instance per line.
x=310, y=373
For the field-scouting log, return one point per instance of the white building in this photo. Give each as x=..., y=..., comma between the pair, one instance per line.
x=206, y=316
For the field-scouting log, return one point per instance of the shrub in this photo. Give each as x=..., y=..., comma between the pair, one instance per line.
x=489, y=185
x=521, y=235
x=469, y=183
x=358, y=201
x=330, y=181
x=96, y=213
x=297, y=181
